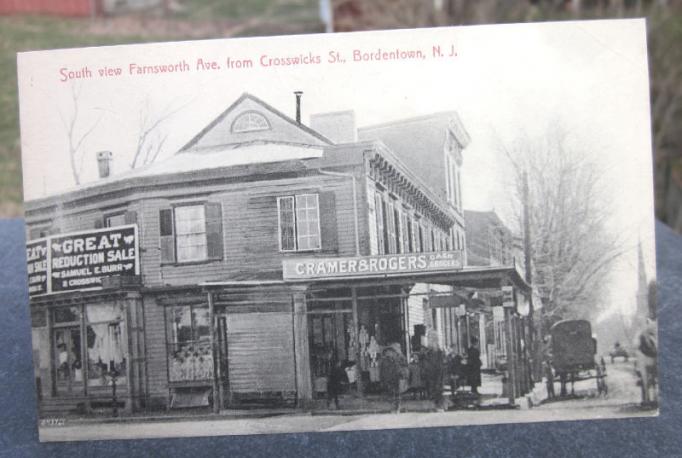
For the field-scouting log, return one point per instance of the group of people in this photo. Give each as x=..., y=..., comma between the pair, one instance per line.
x=429, y=370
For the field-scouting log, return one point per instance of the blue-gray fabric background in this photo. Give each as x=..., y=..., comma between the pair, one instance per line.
x=661, y=436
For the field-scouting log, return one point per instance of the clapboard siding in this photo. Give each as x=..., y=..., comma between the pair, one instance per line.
x=249, y=222
x=81, y=219
x=250, y=229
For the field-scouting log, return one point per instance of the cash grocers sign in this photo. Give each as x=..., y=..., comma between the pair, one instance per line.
x=80, y=260
x=36, y=257
x=361, y=266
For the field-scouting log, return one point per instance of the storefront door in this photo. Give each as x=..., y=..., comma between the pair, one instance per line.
x=68, y=361
x=330, y=341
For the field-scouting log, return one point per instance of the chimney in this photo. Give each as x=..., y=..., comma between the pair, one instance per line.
x=298, y=95
x=104, y=163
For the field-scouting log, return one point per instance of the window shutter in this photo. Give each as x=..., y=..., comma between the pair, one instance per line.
x=130, y=217
x=214, y=230
x=328, y=227
x=167, y=238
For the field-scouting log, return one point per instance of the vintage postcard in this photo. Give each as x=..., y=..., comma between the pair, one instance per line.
x=372, y=230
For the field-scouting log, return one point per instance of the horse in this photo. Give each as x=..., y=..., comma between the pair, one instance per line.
x=646, y=365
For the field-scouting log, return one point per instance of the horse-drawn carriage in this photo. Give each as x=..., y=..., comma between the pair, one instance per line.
x=574, y=352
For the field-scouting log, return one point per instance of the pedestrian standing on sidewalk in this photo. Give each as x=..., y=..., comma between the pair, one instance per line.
x=454, y=370
x=392, y=370
x=415, y=383
x=549, y=380
x=337, y=375
x=433, y=372
x=474, y=366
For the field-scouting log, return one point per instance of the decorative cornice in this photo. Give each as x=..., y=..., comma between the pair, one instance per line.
x=396, y=182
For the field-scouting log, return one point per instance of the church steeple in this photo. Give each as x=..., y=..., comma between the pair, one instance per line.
x=643, y=309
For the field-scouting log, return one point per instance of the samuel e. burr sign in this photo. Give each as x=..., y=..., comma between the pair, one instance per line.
x=79, y=260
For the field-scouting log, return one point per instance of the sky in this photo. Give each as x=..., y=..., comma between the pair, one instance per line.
x=506, y=81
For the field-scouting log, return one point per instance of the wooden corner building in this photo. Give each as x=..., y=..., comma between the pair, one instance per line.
x=238, y=270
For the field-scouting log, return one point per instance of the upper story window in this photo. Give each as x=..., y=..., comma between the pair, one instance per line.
x=390, y=235
x=38, y=232
x=415, y=230
x=299, y=222
x=405, y=236
x=190, y=238
x=452, y=179
x=250, y=121
x=379, y=206
x=115, y=220
x=191, y=233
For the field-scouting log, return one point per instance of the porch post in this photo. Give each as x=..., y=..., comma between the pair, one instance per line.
x=84, y=356
x=217, y=401
x=304, y=387
x=356, y=326
x=404, y=299
x=52, y=349
x=511, y=369
x=129, y=329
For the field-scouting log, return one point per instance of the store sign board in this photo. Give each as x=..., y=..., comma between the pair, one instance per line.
x=37, y=266
x=362, y=266
x=79, y=260
x=508, y=296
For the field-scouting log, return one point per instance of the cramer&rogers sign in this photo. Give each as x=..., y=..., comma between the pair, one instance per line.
x=360, y=266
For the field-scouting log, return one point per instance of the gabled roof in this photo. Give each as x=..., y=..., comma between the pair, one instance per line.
x=251, y=150
x=317, y=138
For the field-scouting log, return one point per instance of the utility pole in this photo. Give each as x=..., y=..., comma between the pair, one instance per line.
x=526, y=245
x=533, y=344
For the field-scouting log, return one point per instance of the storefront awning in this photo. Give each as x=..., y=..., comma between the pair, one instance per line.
x=467, y=277
x=475, y=277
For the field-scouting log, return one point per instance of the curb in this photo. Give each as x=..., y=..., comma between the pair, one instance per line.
x=178, y=418
x=232, y=416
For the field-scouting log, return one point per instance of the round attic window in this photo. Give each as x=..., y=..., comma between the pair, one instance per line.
x=249, y=122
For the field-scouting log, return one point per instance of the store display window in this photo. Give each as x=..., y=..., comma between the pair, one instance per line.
x=89, y=343
x=189, y=347
x=106, y=344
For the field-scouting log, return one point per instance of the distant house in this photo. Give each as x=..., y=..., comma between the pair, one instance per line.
x=489, y=241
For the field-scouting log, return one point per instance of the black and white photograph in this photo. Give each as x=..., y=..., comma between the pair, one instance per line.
x=359, y=231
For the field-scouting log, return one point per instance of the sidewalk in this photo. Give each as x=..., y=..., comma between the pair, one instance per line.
x=349, y=405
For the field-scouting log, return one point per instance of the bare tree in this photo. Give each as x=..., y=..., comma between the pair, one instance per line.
x=75, y=133
x=571, y=248
x=150, y=138
x=664, y=31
